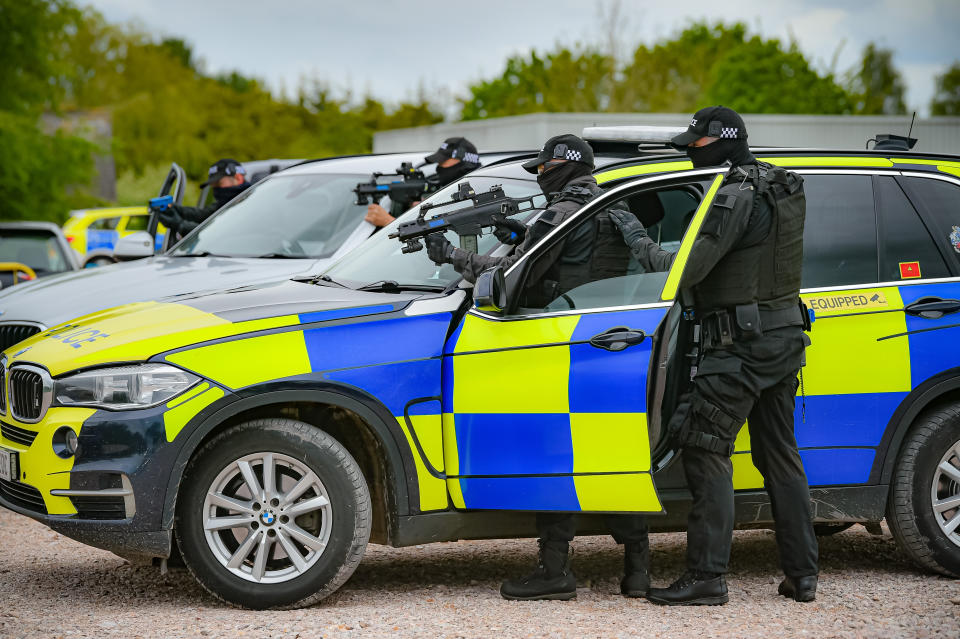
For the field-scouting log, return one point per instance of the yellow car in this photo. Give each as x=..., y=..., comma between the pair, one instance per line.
x=94, y=232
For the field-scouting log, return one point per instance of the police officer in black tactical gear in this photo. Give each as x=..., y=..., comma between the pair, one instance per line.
x=455, y=158
x=564, y=167
x=229, y=180
x=742, y=282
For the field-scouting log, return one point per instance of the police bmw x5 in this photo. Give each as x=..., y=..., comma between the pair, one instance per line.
x=270, y=432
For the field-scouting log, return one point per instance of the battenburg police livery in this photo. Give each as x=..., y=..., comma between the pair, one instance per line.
x=271, y=431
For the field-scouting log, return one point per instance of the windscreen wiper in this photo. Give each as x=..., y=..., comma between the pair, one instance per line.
x=391, y=286
x=322, y=280
x=197, y=254
x=280, y=256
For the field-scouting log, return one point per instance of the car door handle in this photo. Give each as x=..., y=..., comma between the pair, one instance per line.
x=932, y=307
x=618, y=338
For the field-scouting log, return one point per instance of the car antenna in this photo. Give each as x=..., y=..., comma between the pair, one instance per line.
x=891, y=142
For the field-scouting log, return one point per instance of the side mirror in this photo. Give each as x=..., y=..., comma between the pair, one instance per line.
x=490, y=291
x=134, y=246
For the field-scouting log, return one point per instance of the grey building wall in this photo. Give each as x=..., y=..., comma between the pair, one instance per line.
x=936, y=135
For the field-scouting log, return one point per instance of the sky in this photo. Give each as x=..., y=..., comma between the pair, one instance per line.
x=392, y=49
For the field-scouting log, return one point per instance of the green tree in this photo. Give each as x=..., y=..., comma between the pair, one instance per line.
x=946, y=101
x=41, y=170
x=759, y=76
x=564, y=80
x=875, y=86
x=673, y=75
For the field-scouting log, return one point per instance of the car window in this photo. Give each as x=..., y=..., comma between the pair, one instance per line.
x=137, y=223
x=381, y=258
x=840, y=231
x=904, y=241
x=36, y=249
x=290, y=215
x=596, y=269
x=939, y=203
x=104, y=224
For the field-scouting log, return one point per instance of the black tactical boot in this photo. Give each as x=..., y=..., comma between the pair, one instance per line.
x=552, y=578
x=799, y=588
x=693, y=588
x=636, y=576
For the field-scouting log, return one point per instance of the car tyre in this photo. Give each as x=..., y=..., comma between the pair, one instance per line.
x=929, y=536
x=329, y=538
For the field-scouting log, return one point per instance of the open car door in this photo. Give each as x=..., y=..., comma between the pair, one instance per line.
x=174, y=184
x=545, y=399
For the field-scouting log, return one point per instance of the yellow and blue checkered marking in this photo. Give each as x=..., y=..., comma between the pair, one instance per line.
x=861, y=366
x=540, y=423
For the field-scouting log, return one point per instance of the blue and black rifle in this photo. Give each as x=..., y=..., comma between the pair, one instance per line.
x=406, y=185
x=487, y=210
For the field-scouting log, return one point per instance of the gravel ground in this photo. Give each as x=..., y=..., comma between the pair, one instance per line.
x=51, y=586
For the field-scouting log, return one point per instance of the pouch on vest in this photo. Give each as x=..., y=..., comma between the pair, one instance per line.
x=748, y=321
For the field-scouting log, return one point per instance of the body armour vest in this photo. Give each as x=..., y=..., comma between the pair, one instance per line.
x=595, y=250
x=765, y=270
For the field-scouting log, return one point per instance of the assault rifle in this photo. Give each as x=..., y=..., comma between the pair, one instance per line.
x=467, y=222
x=412, y=185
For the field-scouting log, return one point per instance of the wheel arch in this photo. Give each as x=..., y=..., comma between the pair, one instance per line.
x=97, y=253
x=357, y=420
x=941, y=388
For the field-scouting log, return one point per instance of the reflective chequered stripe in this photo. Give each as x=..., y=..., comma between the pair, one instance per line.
x=556, y=426
x=853, y=383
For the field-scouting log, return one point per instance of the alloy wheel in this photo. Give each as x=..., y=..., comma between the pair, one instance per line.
x=267, y=517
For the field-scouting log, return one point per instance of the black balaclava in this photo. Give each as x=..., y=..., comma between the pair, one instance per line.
x=555, y=178
x=223, y=194
x=716, y=153
x=446, y=175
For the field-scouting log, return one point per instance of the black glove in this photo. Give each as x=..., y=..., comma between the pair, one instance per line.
x=169, y=216
x=439, y=248
x=629, y=226
x=510, y=231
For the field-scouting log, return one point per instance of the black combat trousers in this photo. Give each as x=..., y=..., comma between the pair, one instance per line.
x=626, y=529
x=753, y=381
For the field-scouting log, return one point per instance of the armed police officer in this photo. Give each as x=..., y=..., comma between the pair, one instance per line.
x=228, y=178
x=742, y=283
x=564, y=167
x=455, y=158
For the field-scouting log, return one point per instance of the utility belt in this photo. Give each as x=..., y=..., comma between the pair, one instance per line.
x=748, y=322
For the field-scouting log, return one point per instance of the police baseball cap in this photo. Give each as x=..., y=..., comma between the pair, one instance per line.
x=713, y=122
x=223, y=168
x=459, y=148
x=562, y=147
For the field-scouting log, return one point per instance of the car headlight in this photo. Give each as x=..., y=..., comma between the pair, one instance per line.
x=123, y=387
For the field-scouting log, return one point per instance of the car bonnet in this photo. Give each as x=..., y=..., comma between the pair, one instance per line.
x=136, y=332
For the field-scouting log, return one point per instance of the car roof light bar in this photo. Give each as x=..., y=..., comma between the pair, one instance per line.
x=635, y=134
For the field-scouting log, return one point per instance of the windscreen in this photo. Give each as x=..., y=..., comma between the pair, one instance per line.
x=36, y=249
x=380, y=258
x=296, y=216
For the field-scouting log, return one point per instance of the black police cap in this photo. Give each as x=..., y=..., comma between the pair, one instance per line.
x=459, y=148
x=562, y=147
x=713, y=122
x=223, y=168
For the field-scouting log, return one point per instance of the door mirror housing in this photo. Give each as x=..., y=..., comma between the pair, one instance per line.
x=134, y=246
x=490, y=291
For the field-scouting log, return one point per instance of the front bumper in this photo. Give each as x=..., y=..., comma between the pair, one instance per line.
x=112, y=493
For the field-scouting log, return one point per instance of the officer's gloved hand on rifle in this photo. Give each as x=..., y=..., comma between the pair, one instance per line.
x=510, y=231
x=169, y=216
x=629, y=226
x=439, y=249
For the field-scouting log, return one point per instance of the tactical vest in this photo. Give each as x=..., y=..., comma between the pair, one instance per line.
x=767, y=270
x=593, y=251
